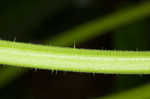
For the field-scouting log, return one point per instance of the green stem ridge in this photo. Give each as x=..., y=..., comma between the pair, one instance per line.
x=71, y=59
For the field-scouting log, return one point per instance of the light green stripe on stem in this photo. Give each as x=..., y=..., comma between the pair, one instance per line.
x=86, y=31
x=77, y=60
x=99, y=26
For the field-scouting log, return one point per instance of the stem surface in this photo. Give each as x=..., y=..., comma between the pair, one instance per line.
x=71, y=59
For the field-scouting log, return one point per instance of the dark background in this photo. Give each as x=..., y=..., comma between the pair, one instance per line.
x=34, y=21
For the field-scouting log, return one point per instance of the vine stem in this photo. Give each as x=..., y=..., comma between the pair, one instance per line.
x=71, y=59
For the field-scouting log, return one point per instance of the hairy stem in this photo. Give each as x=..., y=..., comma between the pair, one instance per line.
x=71, y=59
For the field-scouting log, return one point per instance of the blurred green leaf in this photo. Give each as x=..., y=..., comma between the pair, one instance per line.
x=141, y=92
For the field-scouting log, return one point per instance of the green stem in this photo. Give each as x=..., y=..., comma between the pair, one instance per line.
x=23, y=16
x=99, y=26
x=71, y=59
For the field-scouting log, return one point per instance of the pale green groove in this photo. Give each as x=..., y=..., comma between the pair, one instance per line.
x=135, y=93
x=99, y=26
x=71, y=59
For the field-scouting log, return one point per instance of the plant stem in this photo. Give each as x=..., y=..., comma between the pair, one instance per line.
x=71, y=59
x=101, y=25
x=29, y=14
